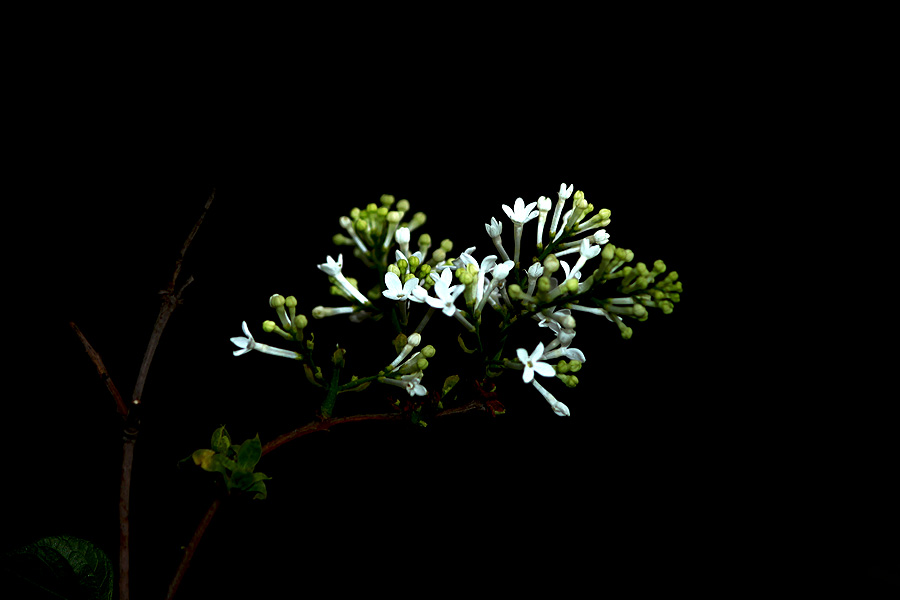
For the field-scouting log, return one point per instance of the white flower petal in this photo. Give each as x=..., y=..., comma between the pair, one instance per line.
x=544, y=369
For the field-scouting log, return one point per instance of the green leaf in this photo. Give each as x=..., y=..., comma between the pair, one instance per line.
x=220, y=440
x=260, y=488
x=249, y=454
x=60, y=566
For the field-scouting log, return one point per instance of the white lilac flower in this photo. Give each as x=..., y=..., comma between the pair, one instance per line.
x=533, y=363
x=587, y=251
x=563, y=338
x=412, y=383
x=498, y=275
x=600, y=238
x=487, y=264
x=246, y=344
x=320, y=312
x=494, y=230
x=566, y=351
x=534, y=273
x=411, y=342
x=565, y=218
x=543, y=205
x=557, y=406
x=332, y=268
x=399, y=291
x=402, y=237
x=564, y=194
x=519, y=215
x=568, y=273
x=592, y=310
x=446, y=297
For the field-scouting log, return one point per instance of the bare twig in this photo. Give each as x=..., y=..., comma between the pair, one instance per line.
x=170, y=299
x=101, y=370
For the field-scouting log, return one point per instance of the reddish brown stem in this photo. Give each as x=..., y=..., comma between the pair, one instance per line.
x=277, y=443
x=192, y=547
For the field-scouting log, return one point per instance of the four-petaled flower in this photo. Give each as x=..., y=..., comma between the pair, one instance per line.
x=397, y=291
x=246, y=344
x=533, y=363
x=520, y=213
x=446, y=297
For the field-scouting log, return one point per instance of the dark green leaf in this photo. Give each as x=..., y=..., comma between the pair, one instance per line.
x=221, y=440
x=60, y=566
x=249, y=454
x=260, y=488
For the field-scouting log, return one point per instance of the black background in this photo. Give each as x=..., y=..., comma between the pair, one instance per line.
x=683, y=466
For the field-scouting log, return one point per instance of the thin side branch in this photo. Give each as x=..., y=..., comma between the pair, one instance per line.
x=101, y=370
x=281, y=440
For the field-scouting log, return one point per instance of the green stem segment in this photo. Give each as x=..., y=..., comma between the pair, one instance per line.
x=331, y=397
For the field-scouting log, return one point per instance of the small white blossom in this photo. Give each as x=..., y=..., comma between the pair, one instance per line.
x=445, y=296
x=494, y=230
x=564, y=194
x=543, y=205
x=402, y=236
x=519, y=215
x=557, y=406
x=399, y=291
x=246, y=344
x=412, y=383
x=332, y=268
x=533, y=363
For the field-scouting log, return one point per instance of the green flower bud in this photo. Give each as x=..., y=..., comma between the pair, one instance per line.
x=371, y=208
x=551, y=265
x=300, y=322
x=269, y=326
x=571, y=285
x=428, y=351
x=403, y=206
x=276, y=300
x=290, y=302
x=422, y=363
x=418, y=220
x=361, y=225
x=575, y=366
x=403, y=265
x=393, y=217
x=387, y=199
x=354, y=213
x=424, y=270
x=543, y=284
x=446, y=245
x=413, y=263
